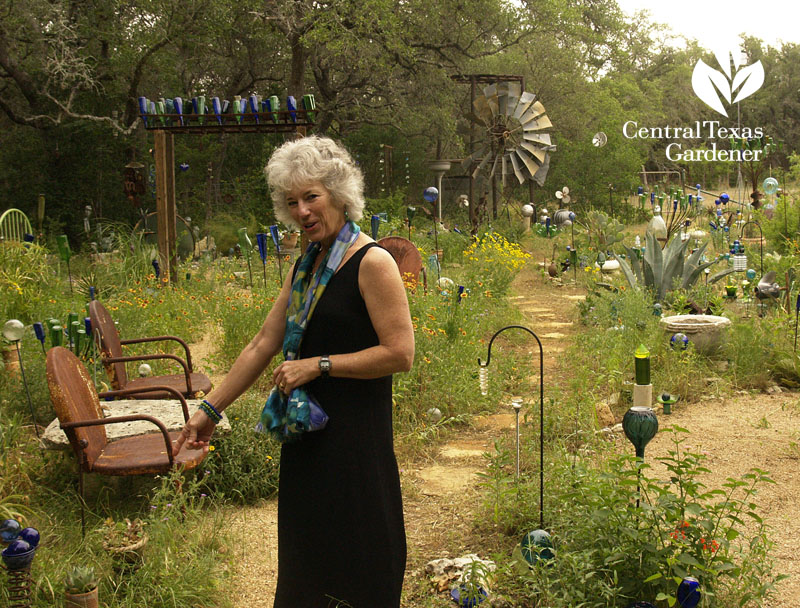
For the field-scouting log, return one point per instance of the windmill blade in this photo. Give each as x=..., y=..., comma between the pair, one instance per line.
x=482, y=110
x=527, y=161
x=525, y=101
x=536, y=151
x=467, y=162
x=494, y=165
x=559, y=194
x=536, y=124
x=490, y=93
x=566, y=199
x=474, y=118
x=538, y=138
x=515, y=163
x=514, y=92
x=565, y=190
x=541, y=174
x=482, y=164
x=534, y=110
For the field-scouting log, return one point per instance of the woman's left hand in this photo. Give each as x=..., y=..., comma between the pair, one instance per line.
x=291, y=374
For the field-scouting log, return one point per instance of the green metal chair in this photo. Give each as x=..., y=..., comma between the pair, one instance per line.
x=14, y=225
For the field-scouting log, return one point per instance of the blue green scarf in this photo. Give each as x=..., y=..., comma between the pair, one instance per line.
x=287, y=417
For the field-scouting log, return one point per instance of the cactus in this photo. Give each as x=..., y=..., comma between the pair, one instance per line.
x=661, y=271
x=80, y=579
x=604, y=232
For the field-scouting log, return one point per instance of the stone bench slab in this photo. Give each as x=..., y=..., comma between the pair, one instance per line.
x=168, y=411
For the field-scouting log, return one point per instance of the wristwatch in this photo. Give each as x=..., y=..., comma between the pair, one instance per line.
x=325, y=366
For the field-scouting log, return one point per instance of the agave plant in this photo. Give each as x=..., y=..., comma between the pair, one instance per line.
x=663, y=270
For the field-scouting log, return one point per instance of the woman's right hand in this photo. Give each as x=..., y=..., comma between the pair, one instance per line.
x=196, y=433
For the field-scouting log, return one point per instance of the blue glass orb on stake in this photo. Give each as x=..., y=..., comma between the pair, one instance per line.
x=431, y=194
x=688, y=592
x=770, y=185
x=724, y=198
x=461, y=596
x=679, y=341
x=537, y=545
x=751, y=274
x=9, y=530
x=30, y=536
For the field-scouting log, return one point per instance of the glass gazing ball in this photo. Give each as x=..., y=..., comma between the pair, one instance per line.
x=770, y=185
x=9, y=530
x=31, y=536
x=688, y=592
x=434, y=415
x=751, y=274
x=724, y=198
x=16, y=547
x=13, y=330
x=445, y=283
x=537, y=545
x=527, y=210
x=657, y=309
x=145, y=370
x=572, y=216
x=679, y=341
x=431, y=194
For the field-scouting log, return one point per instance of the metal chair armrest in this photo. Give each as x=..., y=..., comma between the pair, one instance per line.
x=186, y=371
x=128, y=418
x=163, y=339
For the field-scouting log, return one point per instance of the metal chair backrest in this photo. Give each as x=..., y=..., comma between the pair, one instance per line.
x=109, y=343
x=14, y=225
x=405, y=253
x=75, y=399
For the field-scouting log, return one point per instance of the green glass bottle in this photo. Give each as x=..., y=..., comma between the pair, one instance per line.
x=641, y=358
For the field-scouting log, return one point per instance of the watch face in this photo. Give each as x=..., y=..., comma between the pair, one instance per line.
x=325, y=364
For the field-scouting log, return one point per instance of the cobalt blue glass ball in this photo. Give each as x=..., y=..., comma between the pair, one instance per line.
x=679, y=341
x=461, y=596
x=18, y=555
x=431, y=194
x=724, y=198
x=537, y=545
x=31, y=536
x=9, y=530
x=688, y=592
x=16, y=547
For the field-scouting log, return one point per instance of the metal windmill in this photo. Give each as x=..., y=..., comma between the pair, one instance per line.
x=515, y=140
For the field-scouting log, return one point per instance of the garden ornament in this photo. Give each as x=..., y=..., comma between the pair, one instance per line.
x=461, y=596
x=666, y=400
x=434, y=415
x=514, y=141
x=13, y=330
x=770, y=185
x=599, y=140
x=38, y=330
x=767, y=288
x=483, y=376
x=640, y=425
x=679, y=341
x=273, y=231
x=537, y=545
x=688, y=595
x=375, y=223
x=431, y=195
x=246, y=245
x=261, y=241
x=527, y=210
x=563, y=196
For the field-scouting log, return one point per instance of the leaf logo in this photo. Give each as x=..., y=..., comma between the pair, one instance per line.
x=712, y=86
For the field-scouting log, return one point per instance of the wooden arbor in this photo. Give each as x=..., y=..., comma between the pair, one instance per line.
x=165, y=126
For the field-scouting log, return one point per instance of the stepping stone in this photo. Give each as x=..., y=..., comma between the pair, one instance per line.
x=554, y=336
x=577, y=297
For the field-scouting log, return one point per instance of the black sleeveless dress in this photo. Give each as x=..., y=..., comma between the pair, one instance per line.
x=341, y=537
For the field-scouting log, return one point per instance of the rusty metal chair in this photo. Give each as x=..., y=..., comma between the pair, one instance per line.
x=77, y=405
x=188, y=384
x=407, y=256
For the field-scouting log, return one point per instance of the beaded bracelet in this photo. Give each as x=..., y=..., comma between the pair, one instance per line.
x=210, y=411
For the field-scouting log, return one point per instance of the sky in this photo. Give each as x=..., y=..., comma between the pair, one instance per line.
x=774, y=21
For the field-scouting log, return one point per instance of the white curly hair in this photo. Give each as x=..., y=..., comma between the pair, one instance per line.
x=315, y=159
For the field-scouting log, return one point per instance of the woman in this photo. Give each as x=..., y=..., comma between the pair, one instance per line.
x=341, y=540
